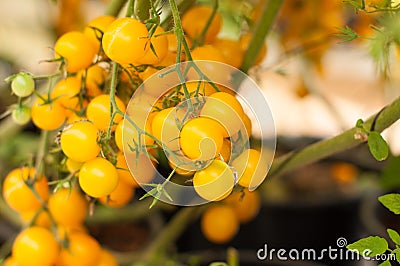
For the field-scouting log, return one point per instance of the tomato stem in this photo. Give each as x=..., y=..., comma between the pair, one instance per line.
x=262, y=28
x=171, y=232
x=114, y=7
x=199, y=41
x=346, y=140
x=130, y=10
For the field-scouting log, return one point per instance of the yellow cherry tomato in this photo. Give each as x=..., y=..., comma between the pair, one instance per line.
x=160, y=45
x=215, y=182
x=96, y=28
x=35, y=246
x=226, y=150
x=18, y=195
x=201, y=138
x=246, y=165
x=10, y=261
x=121, y=195
x=79, y=141
x=107, y=259
x=76, y=49
x=124, y=173
x=226, y=109
x=343, y=172
x=195, y=19
x=95, y=77
x=148, y=72
x=126, y=40
x=68, y=207
x=66, y=92
x=198, y=88
x=165, y=127
x=215, y=69
x=98, y=177
x=247, y=124
x=48, y=116
x=208, y=52
x=98, y=111
x=219, y=224
x=245, y=204
x=128, y=128
x=73, y=166
x=82, y=250
x=231, y=51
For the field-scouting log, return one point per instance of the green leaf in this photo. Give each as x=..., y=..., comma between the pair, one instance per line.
x=397, y=253
x=385, y=263
x=379, y=47
x=391, y=201
x=360, y=124
x=155, y=200
x=346, y=34
x=369, y=246
x=378, y=146
x=358, y=5
x=390, y=174
x=151, y=193
x=394, y=236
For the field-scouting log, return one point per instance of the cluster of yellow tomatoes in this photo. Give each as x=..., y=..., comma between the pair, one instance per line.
x=93, y=167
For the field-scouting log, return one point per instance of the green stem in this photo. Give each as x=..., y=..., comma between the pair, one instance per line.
x=322, y=149
x=171, y=232
x=130, y=10
x=43, y=143
x=182, y=7
x=232, y=257
x=263, y=26
x=114, y=7
x=113, y=104
x=180, y=35
x=142, y=9
x=199, y=41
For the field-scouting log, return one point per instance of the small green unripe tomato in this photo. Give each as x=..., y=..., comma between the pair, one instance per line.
x=21, y=115
x=23, y=85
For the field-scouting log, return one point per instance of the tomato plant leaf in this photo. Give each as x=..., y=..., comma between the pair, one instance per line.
x=369, y=246
x=394, y=236
x=360, y=124
x=389, y=177
x=378, y=146
x=358, y=5
x=396, y=252
x=391, y=201
x=346, y=34
x=385, y=263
